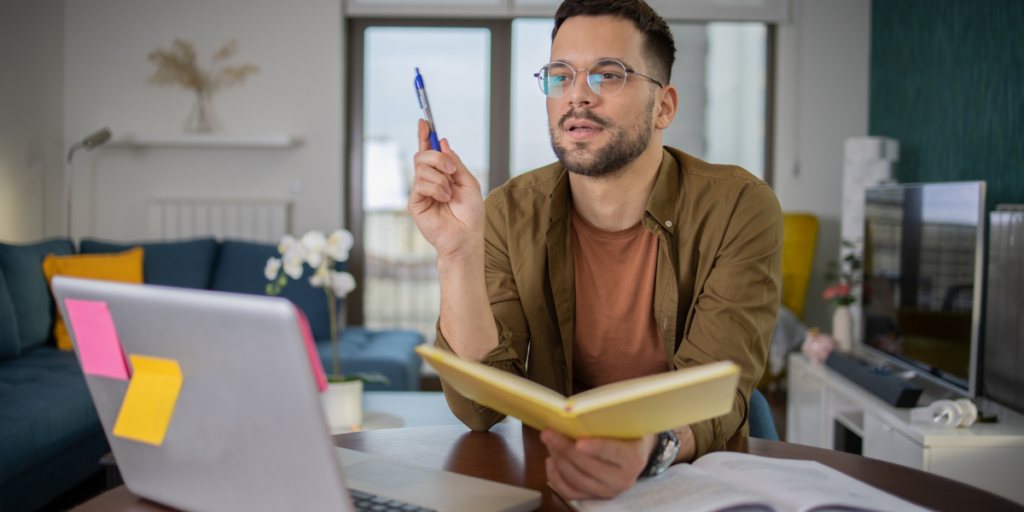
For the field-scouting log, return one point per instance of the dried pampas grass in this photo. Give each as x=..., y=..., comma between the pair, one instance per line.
x=177, y=66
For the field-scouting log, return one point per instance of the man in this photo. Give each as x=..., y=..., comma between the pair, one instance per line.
x=621, y=260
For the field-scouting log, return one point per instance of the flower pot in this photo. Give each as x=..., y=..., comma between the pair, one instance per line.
x=343, y=404
x=842, y=329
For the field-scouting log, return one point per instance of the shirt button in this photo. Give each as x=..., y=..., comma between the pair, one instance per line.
x=668, y=223
x=565, y=309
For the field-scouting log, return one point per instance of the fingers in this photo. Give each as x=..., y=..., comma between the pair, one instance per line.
x=424, y=135
x=462, y=176
x=425, y=189
x=584, y=474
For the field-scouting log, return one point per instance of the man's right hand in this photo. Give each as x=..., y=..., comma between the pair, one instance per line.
x=446, y=203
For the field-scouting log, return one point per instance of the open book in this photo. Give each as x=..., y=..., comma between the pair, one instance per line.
x=628, y=409
x=738, y=482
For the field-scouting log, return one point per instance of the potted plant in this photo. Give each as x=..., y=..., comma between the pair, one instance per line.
x=343, y=399
x=841, y=294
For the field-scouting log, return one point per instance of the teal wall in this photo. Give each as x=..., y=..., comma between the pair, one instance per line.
x=947, y=81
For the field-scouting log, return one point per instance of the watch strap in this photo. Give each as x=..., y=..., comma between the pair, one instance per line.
x=665, y=451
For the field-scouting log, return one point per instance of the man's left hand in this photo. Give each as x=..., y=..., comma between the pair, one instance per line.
x=594, y=467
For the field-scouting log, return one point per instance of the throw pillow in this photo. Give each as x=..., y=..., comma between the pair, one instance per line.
x=123, y=266
x=187, y=264
x=22, y=266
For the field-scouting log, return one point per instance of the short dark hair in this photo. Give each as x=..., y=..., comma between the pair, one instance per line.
x=659, y=45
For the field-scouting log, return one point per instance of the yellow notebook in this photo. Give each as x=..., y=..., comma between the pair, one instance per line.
x=628, y=409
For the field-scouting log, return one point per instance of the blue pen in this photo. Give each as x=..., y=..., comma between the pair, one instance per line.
x=421, y=93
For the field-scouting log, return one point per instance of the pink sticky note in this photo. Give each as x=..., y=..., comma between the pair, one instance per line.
x=98, y=345
x=311, y=351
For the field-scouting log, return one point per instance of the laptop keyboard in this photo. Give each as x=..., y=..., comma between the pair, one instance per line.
x=366, y=502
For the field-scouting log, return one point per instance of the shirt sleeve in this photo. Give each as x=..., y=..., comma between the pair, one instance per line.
x=737, y=308
x=509, y=318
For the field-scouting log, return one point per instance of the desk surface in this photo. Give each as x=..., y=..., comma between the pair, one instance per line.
x=513, y=454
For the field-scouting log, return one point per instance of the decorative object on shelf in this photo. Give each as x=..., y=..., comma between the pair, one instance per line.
x=841, y=294
x=177, y=66
x=817, y=346
x=343, y=399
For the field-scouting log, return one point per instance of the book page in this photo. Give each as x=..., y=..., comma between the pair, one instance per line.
x=800, y=485
x=680, y=487
x=632, y=389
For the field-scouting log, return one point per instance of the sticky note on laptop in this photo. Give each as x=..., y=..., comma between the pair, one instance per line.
x=99, y=348
x=149, y=403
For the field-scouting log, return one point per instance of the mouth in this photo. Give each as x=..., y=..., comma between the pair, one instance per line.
x=581, y=129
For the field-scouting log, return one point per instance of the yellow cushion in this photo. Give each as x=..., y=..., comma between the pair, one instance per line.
x=800, y=235
x=123, y=266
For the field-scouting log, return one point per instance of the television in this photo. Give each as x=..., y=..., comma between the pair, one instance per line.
x=923, y=285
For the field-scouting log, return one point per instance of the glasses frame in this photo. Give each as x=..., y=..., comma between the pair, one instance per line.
x=575, y=73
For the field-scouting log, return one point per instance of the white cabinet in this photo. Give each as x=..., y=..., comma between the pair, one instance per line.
x=824, y=408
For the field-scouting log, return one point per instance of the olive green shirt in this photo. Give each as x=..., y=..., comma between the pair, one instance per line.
x=717, y=291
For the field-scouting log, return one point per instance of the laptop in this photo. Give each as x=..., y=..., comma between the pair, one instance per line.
x=245, y=430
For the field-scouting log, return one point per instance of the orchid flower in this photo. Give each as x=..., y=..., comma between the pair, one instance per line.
x=313, y=243
x=272, y=269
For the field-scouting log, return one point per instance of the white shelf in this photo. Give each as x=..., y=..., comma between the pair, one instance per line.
x=211, y=140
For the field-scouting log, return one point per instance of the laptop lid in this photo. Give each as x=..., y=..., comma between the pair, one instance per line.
x=246, y=430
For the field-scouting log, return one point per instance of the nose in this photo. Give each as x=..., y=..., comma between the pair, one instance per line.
x=581, y=93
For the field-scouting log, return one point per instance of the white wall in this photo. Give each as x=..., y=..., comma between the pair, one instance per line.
x=298, y=47
x=31, y=118
x=823, y=87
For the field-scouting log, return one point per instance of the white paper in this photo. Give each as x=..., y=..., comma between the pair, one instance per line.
x=800, y=486
x=681, y=487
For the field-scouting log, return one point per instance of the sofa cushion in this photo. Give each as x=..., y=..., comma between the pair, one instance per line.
x=8, y=324
x=22, y=266
x=240, y=269
x=125, y=267
x=186, y=264
x=45, y=409
x=388, y=352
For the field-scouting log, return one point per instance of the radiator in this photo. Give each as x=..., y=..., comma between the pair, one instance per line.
x=1004, y=327
x=258, y=220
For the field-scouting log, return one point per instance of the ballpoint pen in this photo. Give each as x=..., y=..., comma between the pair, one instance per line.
x=421, y=93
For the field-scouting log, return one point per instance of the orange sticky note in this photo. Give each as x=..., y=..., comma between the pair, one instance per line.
x=149, y=403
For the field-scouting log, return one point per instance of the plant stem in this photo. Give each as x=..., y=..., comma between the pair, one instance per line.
x=332, y=314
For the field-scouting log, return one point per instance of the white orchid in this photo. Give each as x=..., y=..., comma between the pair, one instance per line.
x=272, y=268
x=293, y=261
x=320, y=278
x=287, y=242
x=314, y=243
x=343, y=283
x=338, y=245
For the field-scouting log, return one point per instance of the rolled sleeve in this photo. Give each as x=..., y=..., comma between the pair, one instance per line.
x=737, y=307
x=509, y=318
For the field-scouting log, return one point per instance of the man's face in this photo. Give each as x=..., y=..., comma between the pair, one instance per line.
x=604, y=133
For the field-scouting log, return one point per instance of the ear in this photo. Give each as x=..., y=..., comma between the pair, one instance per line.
x=668, y=102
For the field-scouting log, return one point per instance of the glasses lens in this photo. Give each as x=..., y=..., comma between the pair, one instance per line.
x=607, y=77
x=555, y=80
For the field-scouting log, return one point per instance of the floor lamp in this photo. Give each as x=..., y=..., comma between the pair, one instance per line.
x=93, y=140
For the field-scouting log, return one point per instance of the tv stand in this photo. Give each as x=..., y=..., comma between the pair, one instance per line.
x=826, y=410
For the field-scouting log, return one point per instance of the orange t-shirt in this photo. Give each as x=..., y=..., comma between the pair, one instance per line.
x=616, y=336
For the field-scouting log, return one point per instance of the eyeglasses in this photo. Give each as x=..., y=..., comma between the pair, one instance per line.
x=606, y=78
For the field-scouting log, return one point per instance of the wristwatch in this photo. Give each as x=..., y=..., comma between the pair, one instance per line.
x=664, y=453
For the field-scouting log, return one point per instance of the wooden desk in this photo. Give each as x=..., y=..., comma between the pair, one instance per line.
x=515, y=455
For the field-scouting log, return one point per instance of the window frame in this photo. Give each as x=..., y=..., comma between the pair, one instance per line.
x=499, y=125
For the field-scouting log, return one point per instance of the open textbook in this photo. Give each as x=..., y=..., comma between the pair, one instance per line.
x=738, y=482
x=627, y=409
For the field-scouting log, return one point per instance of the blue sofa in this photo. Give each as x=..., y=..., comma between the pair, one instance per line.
x=50, y=435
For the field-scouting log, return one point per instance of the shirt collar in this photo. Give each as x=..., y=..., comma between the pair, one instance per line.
x=661, y=205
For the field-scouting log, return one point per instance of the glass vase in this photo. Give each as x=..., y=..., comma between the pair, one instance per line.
x=200, y=120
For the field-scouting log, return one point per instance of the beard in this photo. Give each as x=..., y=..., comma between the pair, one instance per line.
x=625, y=146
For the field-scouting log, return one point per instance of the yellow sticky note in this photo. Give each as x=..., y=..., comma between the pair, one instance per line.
x=149, y=403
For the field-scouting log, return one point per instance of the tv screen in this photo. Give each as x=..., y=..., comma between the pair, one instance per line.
x=923, y=254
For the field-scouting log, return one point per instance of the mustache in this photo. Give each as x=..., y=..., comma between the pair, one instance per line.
x=584, y=114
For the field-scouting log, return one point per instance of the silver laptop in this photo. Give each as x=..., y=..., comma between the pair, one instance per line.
x=247, y=430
